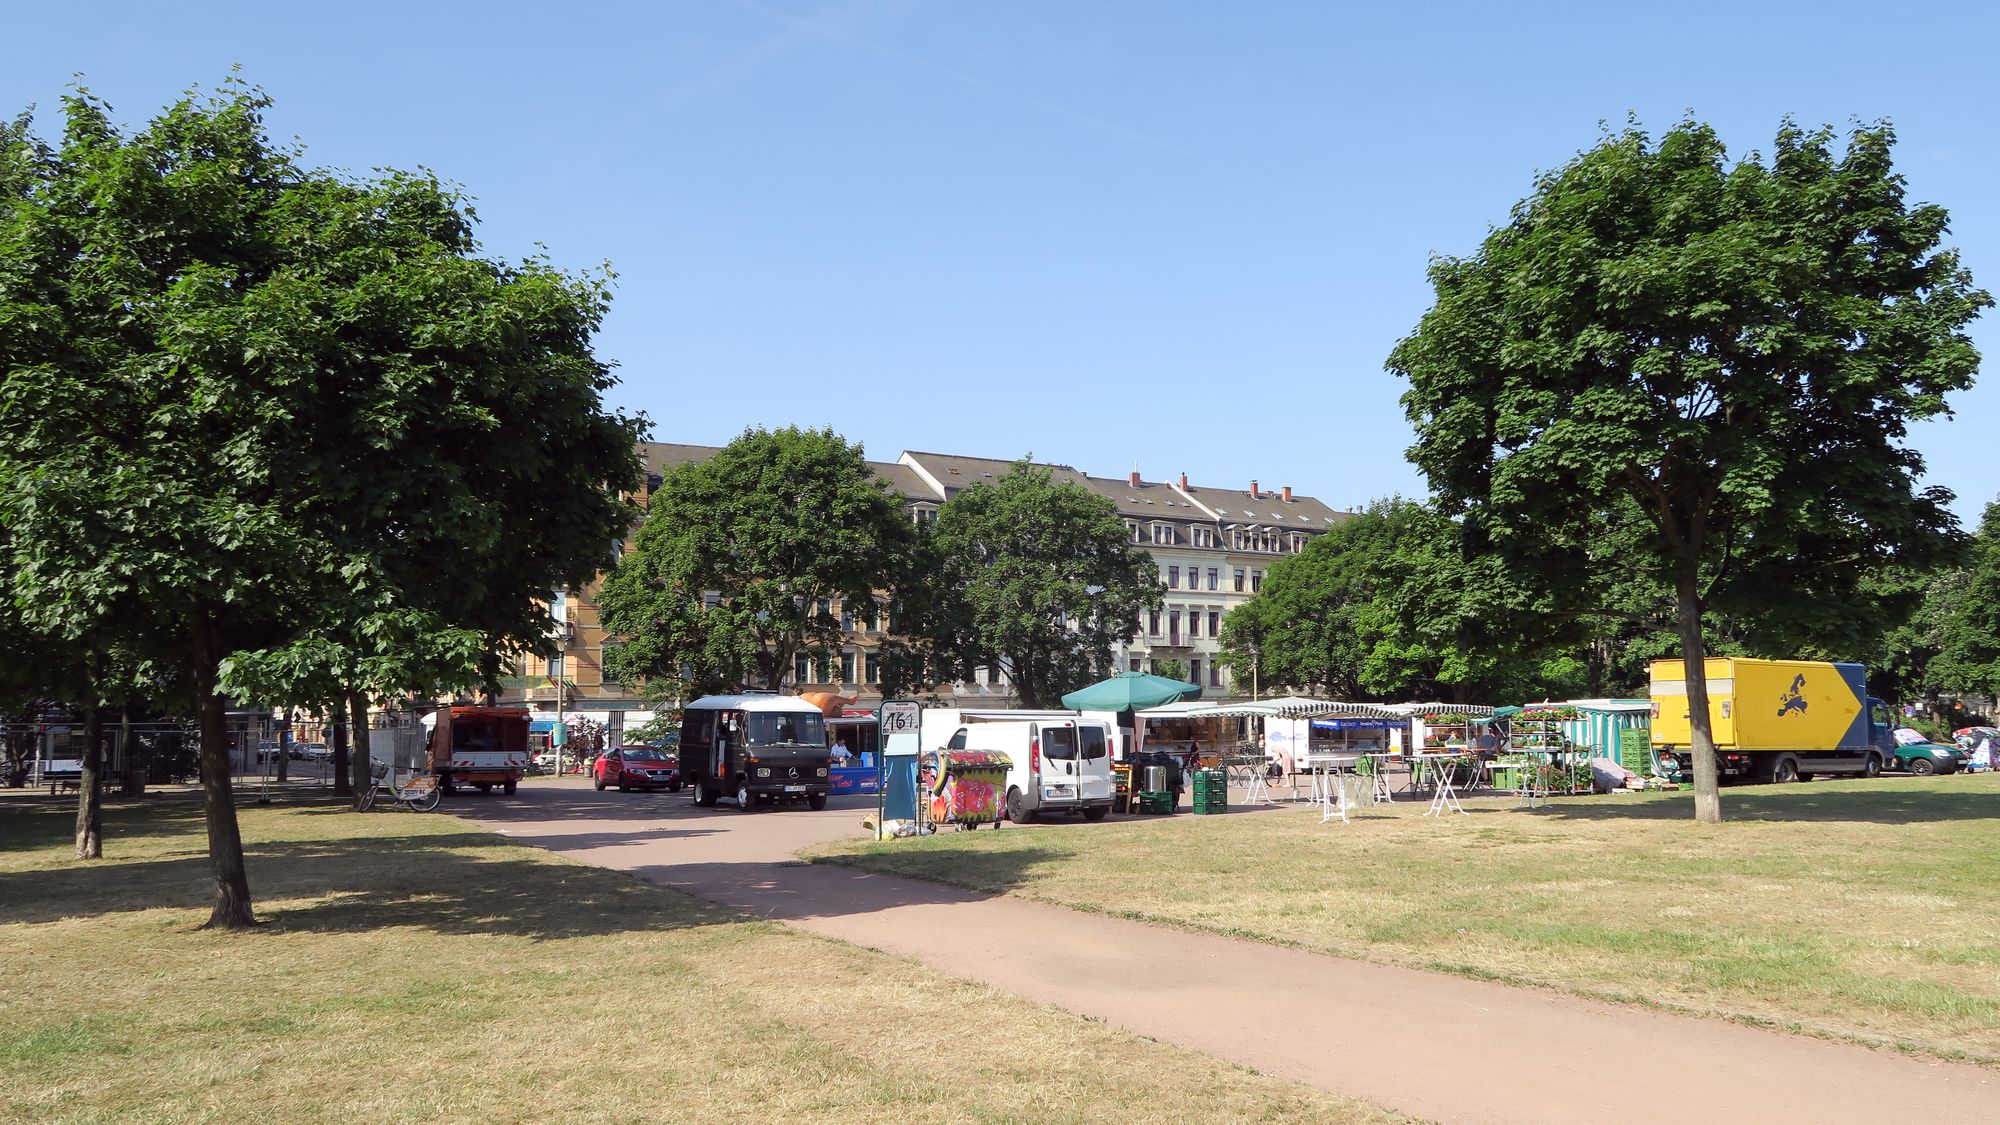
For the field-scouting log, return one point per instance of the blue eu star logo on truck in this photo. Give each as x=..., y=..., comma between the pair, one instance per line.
x=1795, y=699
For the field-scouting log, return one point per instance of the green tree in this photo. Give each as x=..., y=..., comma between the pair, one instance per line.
x=748, y=558
x=289, y=420
x=1965, y=615
x=1734, y=351
x=1389, y=604
x=1033, y=576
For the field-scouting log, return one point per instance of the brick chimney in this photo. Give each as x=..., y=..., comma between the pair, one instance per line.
x=1184, y=486
x=1254, y=494
x=1288, y=494
x=1134, y=478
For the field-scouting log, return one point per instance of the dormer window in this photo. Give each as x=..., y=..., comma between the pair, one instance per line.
x=1163, y=534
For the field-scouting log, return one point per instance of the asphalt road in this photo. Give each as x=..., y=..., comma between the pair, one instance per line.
x=1438, y=1046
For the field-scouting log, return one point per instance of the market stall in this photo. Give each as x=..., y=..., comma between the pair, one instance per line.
x=860, y=771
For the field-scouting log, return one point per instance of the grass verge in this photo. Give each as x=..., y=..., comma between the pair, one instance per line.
x=1867, y=910
x=417, y=968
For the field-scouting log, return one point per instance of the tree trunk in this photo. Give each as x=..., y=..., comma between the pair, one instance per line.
x=343, y=786
x=90, y=783
x=225, y=840
x=360, y=769
x=1694, y=664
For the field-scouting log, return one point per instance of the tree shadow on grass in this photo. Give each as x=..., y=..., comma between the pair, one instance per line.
x=1824, y=801
x=444, y=882
x=801, y=891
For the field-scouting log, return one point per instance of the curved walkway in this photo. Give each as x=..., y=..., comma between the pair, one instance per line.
x=1437, y=1046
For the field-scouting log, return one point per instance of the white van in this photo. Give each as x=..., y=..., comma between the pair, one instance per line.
x=1058, y=765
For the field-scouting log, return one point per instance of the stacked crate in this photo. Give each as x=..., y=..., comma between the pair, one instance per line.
x=1211, y=792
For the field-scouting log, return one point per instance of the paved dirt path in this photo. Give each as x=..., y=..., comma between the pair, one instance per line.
x=1428, y=1044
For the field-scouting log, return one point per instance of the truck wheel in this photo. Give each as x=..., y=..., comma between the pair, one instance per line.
x=1017, y=807
x=704, y=797
x=1922, y=767
x=1785, y=769
x=816, y=802
x=509, y=787
x=1096, y=814
x=1874, y=766
x=447, y=784
x=743, y=800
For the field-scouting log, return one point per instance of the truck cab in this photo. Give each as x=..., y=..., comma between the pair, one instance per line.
x=755, y=748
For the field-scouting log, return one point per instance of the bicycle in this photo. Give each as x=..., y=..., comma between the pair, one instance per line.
x=421, y=793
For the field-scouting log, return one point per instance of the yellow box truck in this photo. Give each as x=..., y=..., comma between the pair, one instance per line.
x=1774, y=720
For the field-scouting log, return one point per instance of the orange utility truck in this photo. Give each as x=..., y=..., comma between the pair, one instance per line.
x=480, y=746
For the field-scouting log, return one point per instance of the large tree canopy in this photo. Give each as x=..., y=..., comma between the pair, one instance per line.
x=1730, y=352
x=1388, y=604
x=1030, y=575
x=1962, y=619
x=750, y=557
x=290, y=420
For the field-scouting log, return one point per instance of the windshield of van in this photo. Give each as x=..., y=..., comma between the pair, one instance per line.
x=1093, y=741
x=768, y=728
x=1058, y=742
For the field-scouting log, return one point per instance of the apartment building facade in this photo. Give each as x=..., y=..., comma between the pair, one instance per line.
x=1212, y=546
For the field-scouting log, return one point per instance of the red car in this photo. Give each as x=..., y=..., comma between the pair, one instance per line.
x=638, y=767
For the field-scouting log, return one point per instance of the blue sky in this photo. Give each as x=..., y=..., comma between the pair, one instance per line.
x=1172, y=235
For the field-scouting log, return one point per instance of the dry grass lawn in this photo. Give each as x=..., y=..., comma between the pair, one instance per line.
x=1861, y=909
x=414, y=968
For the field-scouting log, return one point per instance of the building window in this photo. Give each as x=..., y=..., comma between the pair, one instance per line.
x=847, y=619
x=1163, y=535
x=846, y=667
x=604, y=666
x=871, y=668
x=1239, y=579
x=1133, y=527
x=924, y=516
x=1194, y=671
x=1215, y=675
x=1153, y=623
x=1204, y=537
x=1256, y=581
x=1135, y=664
x=1214, y=622
x=1194, y=624
x=802, y=668
x=1173, y=578
x=1173, y=626
x=1214, y=578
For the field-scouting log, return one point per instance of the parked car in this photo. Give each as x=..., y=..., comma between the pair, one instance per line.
x=310, y=751
x=637, y=767
x=1925, y=758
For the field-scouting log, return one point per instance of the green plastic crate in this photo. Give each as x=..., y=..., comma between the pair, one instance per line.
x=1635, y=750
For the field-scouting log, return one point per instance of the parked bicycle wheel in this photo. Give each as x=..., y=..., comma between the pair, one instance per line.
x=367, y=799
x=428, y=800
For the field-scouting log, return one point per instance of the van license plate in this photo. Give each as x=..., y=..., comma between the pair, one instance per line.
x=795, y=788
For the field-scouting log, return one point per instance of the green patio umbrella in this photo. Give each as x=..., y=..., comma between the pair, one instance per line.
x=1130, y=691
